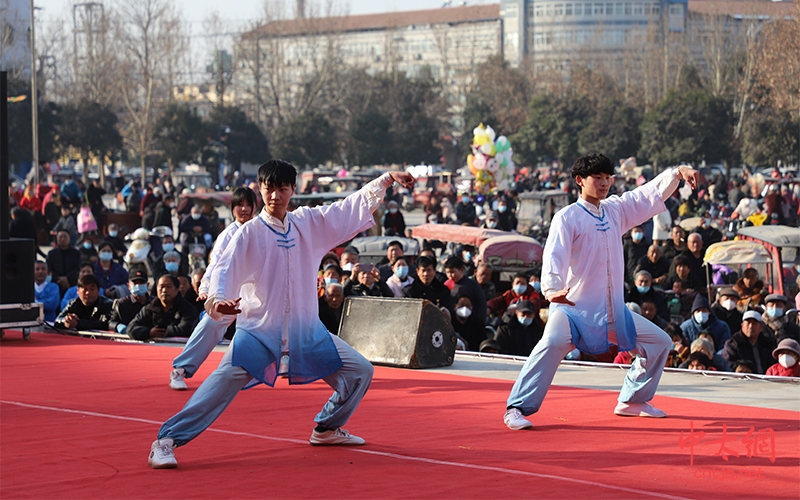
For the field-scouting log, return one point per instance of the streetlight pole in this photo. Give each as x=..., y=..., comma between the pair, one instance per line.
x=34, y=101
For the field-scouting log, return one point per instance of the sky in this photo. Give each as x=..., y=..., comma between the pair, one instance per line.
x=237, y=13
x=242, y=10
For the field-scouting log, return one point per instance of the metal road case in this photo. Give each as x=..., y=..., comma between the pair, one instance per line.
x=23, y=316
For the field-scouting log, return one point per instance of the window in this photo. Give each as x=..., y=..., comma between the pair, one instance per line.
x=647, y=9
x=538, y=10
x=656, y=9
x=627, y=8
x=578, y=9
x=609, y=9
x=538, y=39
x=558, y=9
x=598, y=9
x=637, y=9
x=548, y=10
x=568, y=9
x=620, y=8
x=676, y=10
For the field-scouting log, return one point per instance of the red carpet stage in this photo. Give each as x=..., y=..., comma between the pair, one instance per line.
x=77, y=418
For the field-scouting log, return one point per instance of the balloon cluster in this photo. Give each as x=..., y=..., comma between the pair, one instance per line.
x=490, y=161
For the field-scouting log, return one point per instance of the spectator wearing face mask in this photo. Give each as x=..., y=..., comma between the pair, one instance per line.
x=87, y=250
x=125, y=309
x=703, y=319
x=117, y=243
x=787, y=353
x=776, y=321
x=400, y=278
x=394, y=251
x=521, y=329
x=634, y=250
x=491, y=221
x=460, y=285
x=109, y=273
x=507, y=221
x=195, y=225
x=466, y=324
x=347, y=262
x=393, y=222
x=465, y=212
x=724, y=308
x=520, y=290
x=643, y=289
x=157, y=260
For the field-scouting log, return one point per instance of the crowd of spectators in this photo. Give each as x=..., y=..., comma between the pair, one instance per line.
x=84, y=282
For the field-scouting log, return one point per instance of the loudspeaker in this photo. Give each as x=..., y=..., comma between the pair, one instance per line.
x=408, y=333
x=16, y=271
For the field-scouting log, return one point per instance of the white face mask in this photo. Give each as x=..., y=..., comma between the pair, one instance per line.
x=348, y=267
x=463, y=312
x=728, y=304
x=787, y=360
x=701, y=317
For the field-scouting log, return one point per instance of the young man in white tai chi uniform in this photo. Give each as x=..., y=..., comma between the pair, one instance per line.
x=268, y=276
x=583, y=278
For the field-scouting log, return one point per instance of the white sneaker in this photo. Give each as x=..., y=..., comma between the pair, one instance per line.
x=176, y=382
x=336, y=436
x=515, y=421
x=161, y=455
x=638, y=410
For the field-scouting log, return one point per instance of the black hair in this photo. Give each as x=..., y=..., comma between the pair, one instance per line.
x=591, y=164
x=425, y=262
x=88, y=279
x=105, y=244
x=522, y=276
x=172, y=278
x=681, y=260
x=394, y=243
x=85, y=263
x=701, y=357
x=454, y=263
x=277, y=173
x=336, y=268
x=243, y=195
x=169, y=196
x=351, y=250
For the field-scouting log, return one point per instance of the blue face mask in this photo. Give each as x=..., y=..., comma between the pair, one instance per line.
x=637, y=236
x=537, y=285
x=467, y=256
x=643, y=289
x=519, y=289
x=139, y=290
x=48, y=279
x=392, y=210
x=171, y=267
x=401, y=272
x=330, y=281
x=465, y=199
x=168, y=247
x=87, y=245
x=502, y=208
x=105, y=256
x=113, y=234
x=524, y=321
x=774, y=312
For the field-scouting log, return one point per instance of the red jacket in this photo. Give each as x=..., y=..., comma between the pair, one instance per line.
x=498, y=305
x=777, y=370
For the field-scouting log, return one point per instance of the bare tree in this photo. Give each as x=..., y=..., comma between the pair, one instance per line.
x=152, y=44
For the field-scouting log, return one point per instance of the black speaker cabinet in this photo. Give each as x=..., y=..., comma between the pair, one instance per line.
x=408, y=333
x=16, y=271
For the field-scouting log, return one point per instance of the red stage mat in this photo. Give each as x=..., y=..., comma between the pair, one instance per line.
x=77, y=418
